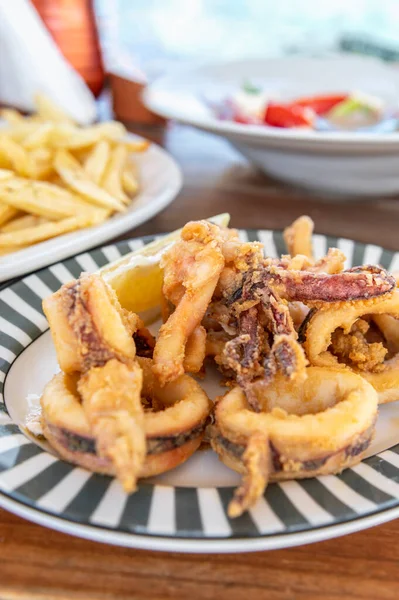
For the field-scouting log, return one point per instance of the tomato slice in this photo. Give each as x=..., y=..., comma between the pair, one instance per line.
x=289, y=115
x=321, y=104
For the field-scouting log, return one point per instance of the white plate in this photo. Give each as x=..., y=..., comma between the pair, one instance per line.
x=341, y=162
x=161, y=181
x=184, y=510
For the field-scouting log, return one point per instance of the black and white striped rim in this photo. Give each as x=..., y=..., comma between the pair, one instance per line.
x=37, y=485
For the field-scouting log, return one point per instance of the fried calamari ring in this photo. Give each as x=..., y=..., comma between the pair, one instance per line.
x=322, y=325
x=88, y=325
x=174, y=426
x=322, y=427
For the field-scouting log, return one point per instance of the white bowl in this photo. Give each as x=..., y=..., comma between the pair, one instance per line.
x=343, y=162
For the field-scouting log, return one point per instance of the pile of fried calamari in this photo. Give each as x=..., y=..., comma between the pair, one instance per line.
x=106, y=410
x=306, y=348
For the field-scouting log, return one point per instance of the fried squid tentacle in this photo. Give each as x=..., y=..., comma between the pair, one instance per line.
x=289, y=358
x=207, y=260
x=260, y=306
x=333, y=262
x=286, y=354
x=250, y=355
x=111, y=399
x=243, y=354
x=359, y=283
x=298, y=239
x=266, y=291
x=250, y=327
x=192, y=269
x=257, y=461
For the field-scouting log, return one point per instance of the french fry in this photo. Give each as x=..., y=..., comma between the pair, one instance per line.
x=136, y=145
x=70, y=170
x=74, y=138
x=42, y=154
x=81, y=154
x=5, y=164
x=6, y=174
x=56, y=180
x=60, y=134
x=112, y=179
x=38, y=137
x=39, y=233
x=72, y=204
x=12, y=116
x=45, y=200
x=130, y=181
x=17, y=156
x=68, y=201
x=47, y=110
x=7, y=213
x=19, y=131
x=42, y=162
x=22, y=223
x=22, y=196
x=9, y=250
x=96, y=161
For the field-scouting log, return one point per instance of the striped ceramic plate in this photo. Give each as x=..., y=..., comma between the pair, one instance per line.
x=185, y=510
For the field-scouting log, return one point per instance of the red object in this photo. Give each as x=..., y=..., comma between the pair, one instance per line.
x=72, y=25
x=289, y=115
x=321, y=104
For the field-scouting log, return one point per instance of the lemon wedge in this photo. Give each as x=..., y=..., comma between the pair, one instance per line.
x=137, y=276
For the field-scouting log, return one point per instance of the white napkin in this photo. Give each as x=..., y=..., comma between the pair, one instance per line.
x=31, y=62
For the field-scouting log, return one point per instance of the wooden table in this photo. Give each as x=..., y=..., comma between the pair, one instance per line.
x=37, y=563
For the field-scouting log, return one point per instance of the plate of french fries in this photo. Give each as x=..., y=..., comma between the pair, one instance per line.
x=65, y=188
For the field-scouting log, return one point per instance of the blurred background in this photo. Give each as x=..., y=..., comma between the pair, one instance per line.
x=117, y=47
x=156, y=34
x=139, y=41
